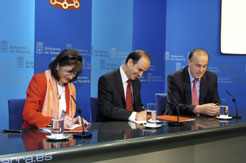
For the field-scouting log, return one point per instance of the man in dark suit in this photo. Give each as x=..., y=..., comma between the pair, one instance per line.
x=194, y=88
x=113, y=90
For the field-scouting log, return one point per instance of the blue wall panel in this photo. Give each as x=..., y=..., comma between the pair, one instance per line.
x=149, y=27
x=111, y=37
x=16, y=51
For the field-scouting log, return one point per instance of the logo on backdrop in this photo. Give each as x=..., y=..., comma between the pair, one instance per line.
x=66, y=4
x=4, y=46
x=39, y=47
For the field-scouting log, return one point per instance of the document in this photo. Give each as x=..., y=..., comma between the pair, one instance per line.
x=174, y=118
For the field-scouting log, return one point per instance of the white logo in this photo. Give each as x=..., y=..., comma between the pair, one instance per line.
x=39, y=48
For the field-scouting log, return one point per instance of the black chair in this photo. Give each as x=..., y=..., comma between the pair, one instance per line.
x=15, y=113
x=93, y=109
x=161, y=99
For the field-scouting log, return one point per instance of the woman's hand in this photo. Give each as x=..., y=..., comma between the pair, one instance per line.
x=78, y=119
x=69, y=122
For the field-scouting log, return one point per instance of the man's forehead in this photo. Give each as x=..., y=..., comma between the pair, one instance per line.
x=144, y=65
x=200, y=57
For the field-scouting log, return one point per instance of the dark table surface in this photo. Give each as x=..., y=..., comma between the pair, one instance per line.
x=113, y=134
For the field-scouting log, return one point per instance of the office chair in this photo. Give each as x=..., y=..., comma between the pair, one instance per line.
x=161, y=99
x=93, y=109
x=15, y=107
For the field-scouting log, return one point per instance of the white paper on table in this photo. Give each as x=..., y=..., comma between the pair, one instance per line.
x=73, y=127
x=139, y=122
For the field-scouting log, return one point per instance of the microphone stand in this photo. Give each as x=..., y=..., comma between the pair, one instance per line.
x=175, y=103
x=83, y=133
x=235, y=103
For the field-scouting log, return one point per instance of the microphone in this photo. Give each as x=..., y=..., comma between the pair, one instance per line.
x=84, y=133
x=235, y=103
x=175, y=103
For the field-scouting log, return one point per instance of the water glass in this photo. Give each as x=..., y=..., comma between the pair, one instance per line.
x=224, y=108
x=151, y=112
x=57, y=126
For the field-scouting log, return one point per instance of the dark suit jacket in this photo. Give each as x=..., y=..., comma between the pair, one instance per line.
x=179, y=85
x=111, y=98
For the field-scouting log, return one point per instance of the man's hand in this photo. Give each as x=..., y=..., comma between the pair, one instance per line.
x=210, y=109
x=141, y=116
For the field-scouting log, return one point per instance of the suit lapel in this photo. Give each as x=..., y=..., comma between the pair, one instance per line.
x=134, y=88
x=203, y=90
x=187, y=86
x=119, y=84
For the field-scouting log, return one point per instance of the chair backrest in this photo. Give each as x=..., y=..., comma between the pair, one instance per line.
x=161, y=99
x=93, y=109
x=15, y=113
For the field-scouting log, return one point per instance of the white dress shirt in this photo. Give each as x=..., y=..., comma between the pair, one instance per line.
x=124, y=79
x=62, y=99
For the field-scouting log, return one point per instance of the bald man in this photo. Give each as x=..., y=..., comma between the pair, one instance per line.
x=193, y=87
x=112, y=90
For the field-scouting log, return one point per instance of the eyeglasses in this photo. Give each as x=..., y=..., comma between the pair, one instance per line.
x=71, y=57
x=69, y=72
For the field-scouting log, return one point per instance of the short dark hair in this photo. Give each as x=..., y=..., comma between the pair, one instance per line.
x=191, y=54
x=67, y=57
x=136, y=55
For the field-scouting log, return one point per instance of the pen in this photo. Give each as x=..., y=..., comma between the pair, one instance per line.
x=12, y=131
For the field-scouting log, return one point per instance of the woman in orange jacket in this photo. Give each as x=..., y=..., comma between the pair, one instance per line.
x=49, y=93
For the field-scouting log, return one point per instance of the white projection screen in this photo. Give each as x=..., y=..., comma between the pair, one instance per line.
x=233, y=27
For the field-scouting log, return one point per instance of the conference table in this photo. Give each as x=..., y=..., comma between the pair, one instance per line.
x=203, y=139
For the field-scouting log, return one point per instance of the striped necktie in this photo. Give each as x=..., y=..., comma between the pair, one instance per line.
x=194, y=93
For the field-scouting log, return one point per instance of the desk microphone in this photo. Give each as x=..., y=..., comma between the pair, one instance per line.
x=235, y=103
x=84, y=133
x=175, y=103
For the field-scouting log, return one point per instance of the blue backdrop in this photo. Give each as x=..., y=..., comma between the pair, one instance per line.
x=149, y=34
x=111, y=37
x=16, y=52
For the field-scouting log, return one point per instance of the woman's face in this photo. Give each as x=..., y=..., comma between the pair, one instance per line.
x=65, y=74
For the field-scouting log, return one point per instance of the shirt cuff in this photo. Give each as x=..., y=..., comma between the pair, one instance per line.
x=133, y=116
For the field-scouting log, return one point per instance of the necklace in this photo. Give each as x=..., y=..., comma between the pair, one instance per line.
x=60, y=91
x=58, y=94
